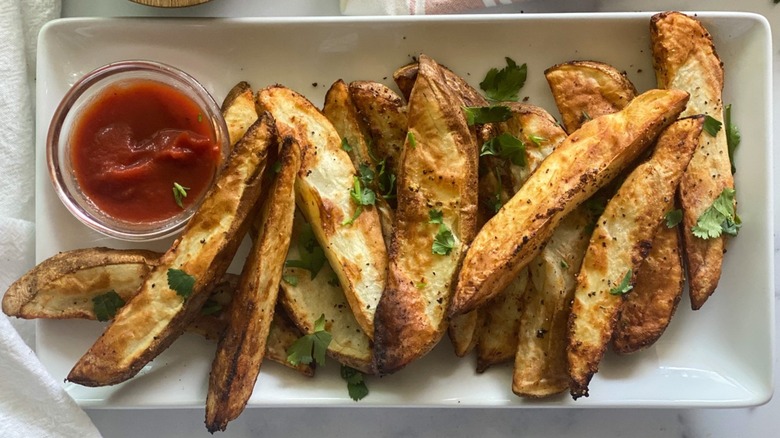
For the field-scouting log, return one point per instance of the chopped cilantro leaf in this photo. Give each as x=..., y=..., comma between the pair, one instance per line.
x=719, y=217
x=564, y=265
x=504, y=84
x=181, y=282
x=625, y=285
x=479, y=115
x=435, y=216
x=356, y=386
x=311, y=347
x=105, y=305
x=673, y=218
x=210, y=307
x=345, y=145
x=733, y=136
x=179, y=193
x=290, y=279
x=311, y=253
x=366, y=174
x=361, y=196
x=421, y=285
x=586, y=117
x=443, y=242
x=412, y=141
x=537, y=139
x=711, y=126
x=506, y=146
x=351, y=220
x=277, y=167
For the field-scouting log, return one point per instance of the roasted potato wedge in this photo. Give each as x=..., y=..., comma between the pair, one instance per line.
x=356, y=251
x=411, y=319
x=684, y=58
x=540, y=368
x=406, y=76
x=500, y=318
x=589, y=158
x=584, y=90
x=340, y=109
x=238, y=110
x=242, y=347
x=619, y=244
x=158, y=314
x=64, y=285
x=307, y=294
x=649, y=307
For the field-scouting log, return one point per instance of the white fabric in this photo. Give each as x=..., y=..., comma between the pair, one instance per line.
x=415, y=7
x=32, y=403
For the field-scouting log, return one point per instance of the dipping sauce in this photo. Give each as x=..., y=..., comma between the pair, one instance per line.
x=134, y=141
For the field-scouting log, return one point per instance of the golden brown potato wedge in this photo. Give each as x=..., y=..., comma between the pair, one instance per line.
x=589, y=158
x=340, y=109
x=649, y=307
x=540, y=361
x=463, y=332
x=242, y=347
x=500, y=317
x=619, y=244
x=64, y=285
x=684, y=58
x=308, y=294
x=238, y=110
x=411, y=319
x=158, y=314
x=584, y=90
x=356, y=250
x=384, y=114
x=405, y=77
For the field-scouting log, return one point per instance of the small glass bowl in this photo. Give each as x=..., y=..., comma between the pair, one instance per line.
x=67, y=115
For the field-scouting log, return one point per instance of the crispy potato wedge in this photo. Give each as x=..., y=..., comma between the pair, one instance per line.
x=356, y=251
x=500, y=317
x=411, y=319
x=340, y=109
x=585, y=90
x=684, y=58
x=589, y=158
x=157, y=315
x=384, y=115
x=242, y=347
x=620, y=242
x=649, y=307
x=306, y=295
x=463, y=332
x=238, y=110
x=406, y=76
x=64, y=285
x=540, y=368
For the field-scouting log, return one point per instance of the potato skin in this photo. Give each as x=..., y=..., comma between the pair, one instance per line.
x=157, y=315
x=588, y=159
x=238, y=110
x=684, y=58
x=411, y=319
x=619, y=244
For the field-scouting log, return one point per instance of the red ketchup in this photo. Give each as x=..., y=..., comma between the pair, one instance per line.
x=133, y=142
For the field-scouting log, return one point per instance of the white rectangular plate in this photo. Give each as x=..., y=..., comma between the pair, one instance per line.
x=718, y=356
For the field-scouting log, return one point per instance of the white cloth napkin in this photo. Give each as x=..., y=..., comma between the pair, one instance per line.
x=32, y=403
x=416, y=7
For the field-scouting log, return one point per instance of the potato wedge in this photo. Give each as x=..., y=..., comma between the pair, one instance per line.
x=309, y=293
x=684, y=58
x=64, y=285
x=411, y=319
x=620, y=242
x=589, y=158
x=648, y=309
x=238, y=110
x=157, y=315
x=406, y=76
x=540, y=368
x=356, y=251
x=242, y=347
x=340, y=109
x=500, y=317
x=584, y=90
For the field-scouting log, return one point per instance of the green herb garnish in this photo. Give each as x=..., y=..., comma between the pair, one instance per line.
x=105, y=305
x=179, y=193
x=673, y=218
x=733, y=136
x=719, y=217
x=290, y=279
x=312, y=257
x=345, y=145
x=506, y=146
x=356, y=386
x=564, y=265
x=181, y=282
x=435, y=216
x=412, y=141
x=537, y=139
x=479, y=115
x=711, y=126
x=443, y=242
x=504, y=84
x=624, y=286
x=311, y=347
x=210, y=307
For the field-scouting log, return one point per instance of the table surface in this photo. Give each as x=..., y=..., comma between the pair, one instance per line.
x=397, y=422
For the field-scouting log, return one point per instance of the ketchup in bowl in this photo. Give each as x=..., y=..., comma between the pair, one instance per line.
x=134, y=147
x=136, y=140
